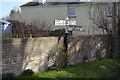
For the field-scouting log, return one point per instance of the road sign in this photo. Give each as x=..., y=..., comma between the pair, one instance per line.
x=64, y=22
x=70, y=25
x=77, y=28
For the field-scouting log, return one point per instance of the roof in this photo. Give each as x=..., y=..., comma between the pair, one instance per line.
x=49, y=3
x=4, y=21
x=31, y=4
x=60, y=3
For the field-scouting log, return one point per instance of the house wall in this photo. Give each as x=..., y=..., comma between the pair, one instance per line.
x=51, y=13
x=82, y=19
x=46, y=13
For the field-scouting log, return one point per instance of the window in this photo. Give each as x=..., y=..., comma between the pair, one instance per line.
x=71, y=12
x=109, y=12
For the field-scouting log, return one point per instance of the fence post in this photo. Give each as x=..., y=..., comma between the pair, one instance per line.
x=113, y=29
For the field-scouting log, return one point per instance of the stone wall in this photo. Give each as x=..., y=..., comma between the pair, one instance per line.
x=21, y=54
x=41, y=54
x=86, y=48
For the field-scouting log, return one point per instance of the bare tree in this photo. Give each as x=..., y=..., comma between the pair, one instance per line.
x=14, y=15
x=99, y=16
x=36, y=28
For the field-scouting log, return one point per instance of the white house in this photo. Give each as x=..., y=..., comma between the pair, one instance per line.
x=5, y=27
x=53, y=12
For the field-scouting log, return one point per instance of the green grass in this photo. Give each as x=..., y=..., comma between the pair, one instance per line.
x=105, y=68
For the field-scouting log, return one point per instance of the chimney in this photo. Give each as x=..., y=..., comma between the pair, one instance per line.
x=43, y=1
x=40, y=1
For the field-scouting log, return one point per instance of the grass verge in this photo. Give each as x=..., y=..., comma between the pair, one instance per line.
x=104, y=68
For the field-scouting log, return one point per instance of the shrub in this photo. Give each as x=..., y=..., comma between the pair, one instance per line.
x=58, y=32
x=27, y=72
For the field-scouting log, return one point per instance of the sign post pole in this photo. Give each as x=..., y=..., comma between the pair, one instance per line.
x=66, y=34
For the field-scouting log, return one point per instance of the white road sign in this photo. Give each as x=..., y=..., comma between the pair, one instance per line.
x=63, y=22
x=78, y=28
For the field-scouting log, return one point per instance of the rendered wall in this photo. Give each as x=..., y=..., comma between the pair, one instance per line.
x=59, y=12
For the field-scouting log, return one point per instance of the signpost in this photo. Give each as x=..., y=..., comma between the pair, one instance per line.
x=78, y=28
x=70, y=25
x=63, y=22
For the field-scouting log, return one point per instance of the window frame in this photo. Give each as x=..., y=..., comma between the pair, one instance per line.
x=70, y=13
